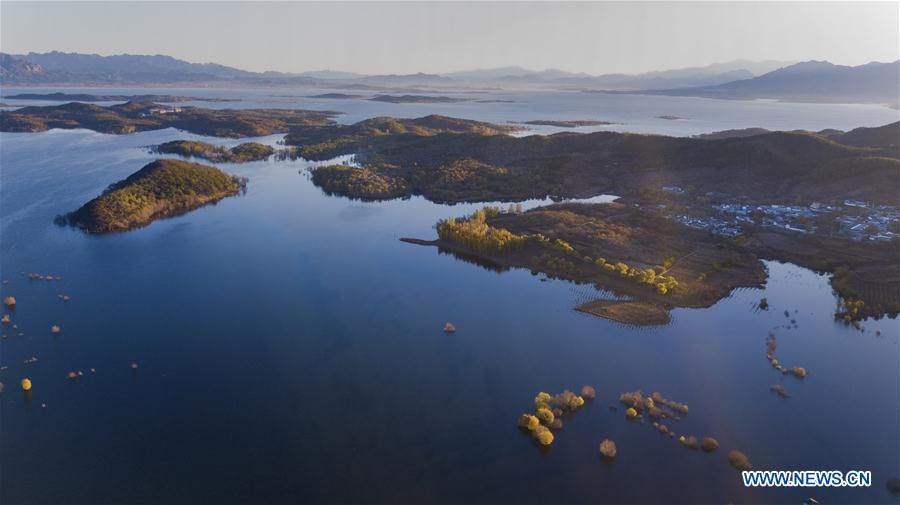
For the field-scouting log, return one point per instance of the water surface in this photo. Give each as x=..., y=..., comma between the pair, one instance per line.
x=290, y=348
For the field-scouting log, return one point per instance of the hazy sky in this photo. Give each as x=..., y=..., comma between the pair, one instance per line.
x=377, y=37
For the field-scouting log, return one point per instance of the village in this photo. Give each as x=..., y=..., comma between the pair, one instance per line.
x=854, y=219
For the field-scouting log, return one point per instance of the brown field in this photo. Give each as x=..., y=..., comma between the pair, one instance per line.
x=626, y=312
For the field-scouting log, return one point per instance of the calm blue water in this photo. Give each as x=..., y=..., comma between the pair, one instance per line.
x=290, y=348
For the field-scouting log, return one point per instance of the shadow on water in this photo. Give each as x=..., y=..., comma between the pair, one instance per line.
x=474, y=260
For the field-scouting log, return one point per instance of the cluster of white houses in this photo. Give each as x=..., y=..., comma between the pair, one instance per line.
x=855, y=219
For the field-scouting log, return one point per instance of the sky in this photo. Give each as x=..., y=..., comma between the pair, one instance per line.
x=407, y=37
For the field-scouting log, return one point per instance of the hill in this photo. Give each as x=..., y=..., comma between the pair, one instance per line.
x=811, y=81
x=160, y=189
x=470, y=166
x=132, y=117
x=328, y=142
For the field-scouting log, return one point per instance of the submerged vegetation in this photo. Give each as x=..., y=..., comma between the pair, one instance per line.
x=739, y=460
x=549, y=409
x=808, y=166
x=797, y=371
x=160, y=189
x=608, y=448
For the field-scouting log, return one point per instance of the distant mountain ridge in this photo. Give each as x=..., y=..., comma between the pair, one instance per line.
x=57, y=67
x=716, y=73
x=128, y=64
x=811, y=81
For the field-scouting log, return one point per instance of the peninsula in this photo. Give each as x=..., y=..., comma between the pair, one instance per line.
x=652, y=263
x=823, y=200
x=323, y=143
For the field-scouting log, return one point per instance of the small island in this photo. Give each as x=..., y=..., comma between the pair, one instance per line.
x=573, y=123
x=416, y=99
x=161, y=189
x=132, y=117
x=653, y=263
x=242, y=153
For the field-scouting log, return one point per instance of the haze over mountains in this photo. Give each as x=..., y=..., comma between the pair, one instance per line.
x=811, y=81
x=739, y=79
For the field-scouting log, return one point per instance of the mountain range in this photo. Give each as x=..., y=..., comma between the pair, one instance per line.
x=716, y=73
x=739, y=79
x=811, y=81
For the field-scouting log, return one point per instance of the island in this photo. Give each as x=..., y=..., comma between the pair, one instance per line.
x=823, y=200
x=416, y=99
x=337, y=96
x=574, y=123
x=131, y=117
x=163, y=188
x=241, y=153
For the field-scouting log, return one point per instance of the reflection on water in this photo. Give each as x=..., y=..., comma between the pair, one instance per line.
x=291, y=348
x=475, y=260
